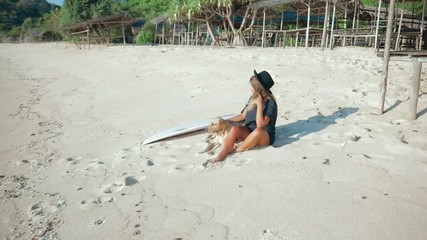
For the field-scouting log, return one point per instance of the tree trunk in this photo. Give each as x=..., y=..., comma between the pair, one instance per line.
x=211, y=33
x=238, y=39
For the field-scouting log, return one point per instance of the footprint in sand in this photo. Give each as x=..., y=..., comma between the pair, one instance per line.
x=125, y=154
x=235, y=162
x=181, y=167
x=165, y=155
x=173, y=150
x=44, y=209
x=270, y=235
x=120, y=185
x=239, y=162
x=95, y=202
x=71, y=160
x=86, y=166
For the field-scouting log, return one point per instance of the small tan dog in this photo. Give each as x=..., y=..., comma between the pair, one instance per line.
x=218, y=131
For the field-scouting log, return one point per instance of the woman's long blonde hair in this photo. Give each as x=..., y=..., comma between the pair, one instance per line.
x=259, y=90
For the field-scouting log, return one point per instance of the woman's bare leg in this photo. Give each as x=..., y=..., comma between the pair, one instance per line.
x=236, y=133
x=259, y=137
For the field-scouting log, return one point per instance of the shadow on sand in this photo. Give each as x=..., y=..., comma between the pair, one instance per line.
x=294, y=131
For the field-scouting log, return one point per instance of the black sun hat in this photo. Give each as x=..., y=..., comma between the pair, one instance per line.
x=265, y=79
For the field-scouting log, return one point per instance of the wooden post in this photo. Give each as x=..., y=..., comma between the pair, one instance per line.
x=123, y=34
x=422, y=26
x=325, y=24
x=263, y=30
x=88, y=38
x=188, y=32
x=284, y=40
x=281, y=21
x=308, y=24
x=332, y=26
x=400, y=28
x=378, y=26
x=281, y=28
x=416, y=78
x=173, y=34
x=296, y=39
x=297, y=24
x=354, y=14
x=345, y=22
x=155, y=33
x=197, y=34
x=163, y=33
x=386, y=56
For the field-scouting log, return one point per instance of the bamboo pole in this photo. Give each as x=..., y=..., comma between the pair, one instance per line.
x=123, y=34
x=332, y=26
x=296, y=39
x=163, y=33
x=263, y=30
x=284, y=40
x=88, y=39
x=281, y=21
x=400, y=28
x=378, y=25
x=358, y=17
x=188, y=33
x=354, y=14
x=308, y=24
x=422, y=26
x=416, y=79
x=345, y=22
x=325, y=24
x=281, y=28
x=386, y=57
x=155, y=33
x=297, y=24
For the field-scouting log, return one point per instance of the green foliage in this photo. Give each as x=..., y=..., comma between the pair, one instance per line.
x=15, y=33
x=151, y=8
x=74, y=11
x=14, y=12
x=26, y=26
x=416, y=7
x=50, y=21
x=147, y=34
x=102, y=8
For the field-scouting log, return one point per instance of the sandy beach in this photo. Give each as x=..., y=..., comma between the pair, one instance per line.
x=72, y=167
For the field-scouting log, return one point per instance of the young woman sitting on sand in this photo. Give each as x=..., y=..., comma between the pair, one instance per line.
x=259, y=116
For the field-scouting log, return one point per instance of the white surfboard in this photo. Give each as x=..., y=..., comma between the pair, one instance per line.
x=182, y=129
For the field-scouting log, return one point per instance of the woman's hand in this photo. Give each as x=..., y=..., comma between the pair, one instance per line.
x=259, y=101
x=261, y=120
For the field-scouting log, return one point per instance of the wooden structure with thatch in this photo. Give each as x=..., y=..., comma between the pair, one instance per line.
x=99, y=30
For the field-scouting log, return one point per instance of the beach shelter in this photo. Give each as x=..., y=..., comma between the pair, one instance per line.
x=319, y=8
x=98, y=29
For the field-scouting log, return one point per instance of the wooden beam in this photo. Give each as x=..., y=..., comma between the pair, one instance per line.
x=416, y=79
x=325, y=24
x=263, y=29
x=422, y=26
x=396, y=47
x=345, y=22
x=378, y=25
x=386, y=57
x=308, y=25
x=332, y=26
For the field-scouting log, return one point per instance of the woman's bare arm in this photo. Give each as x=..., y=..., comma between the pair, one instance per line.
x=261, y=120
x=238, y=118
